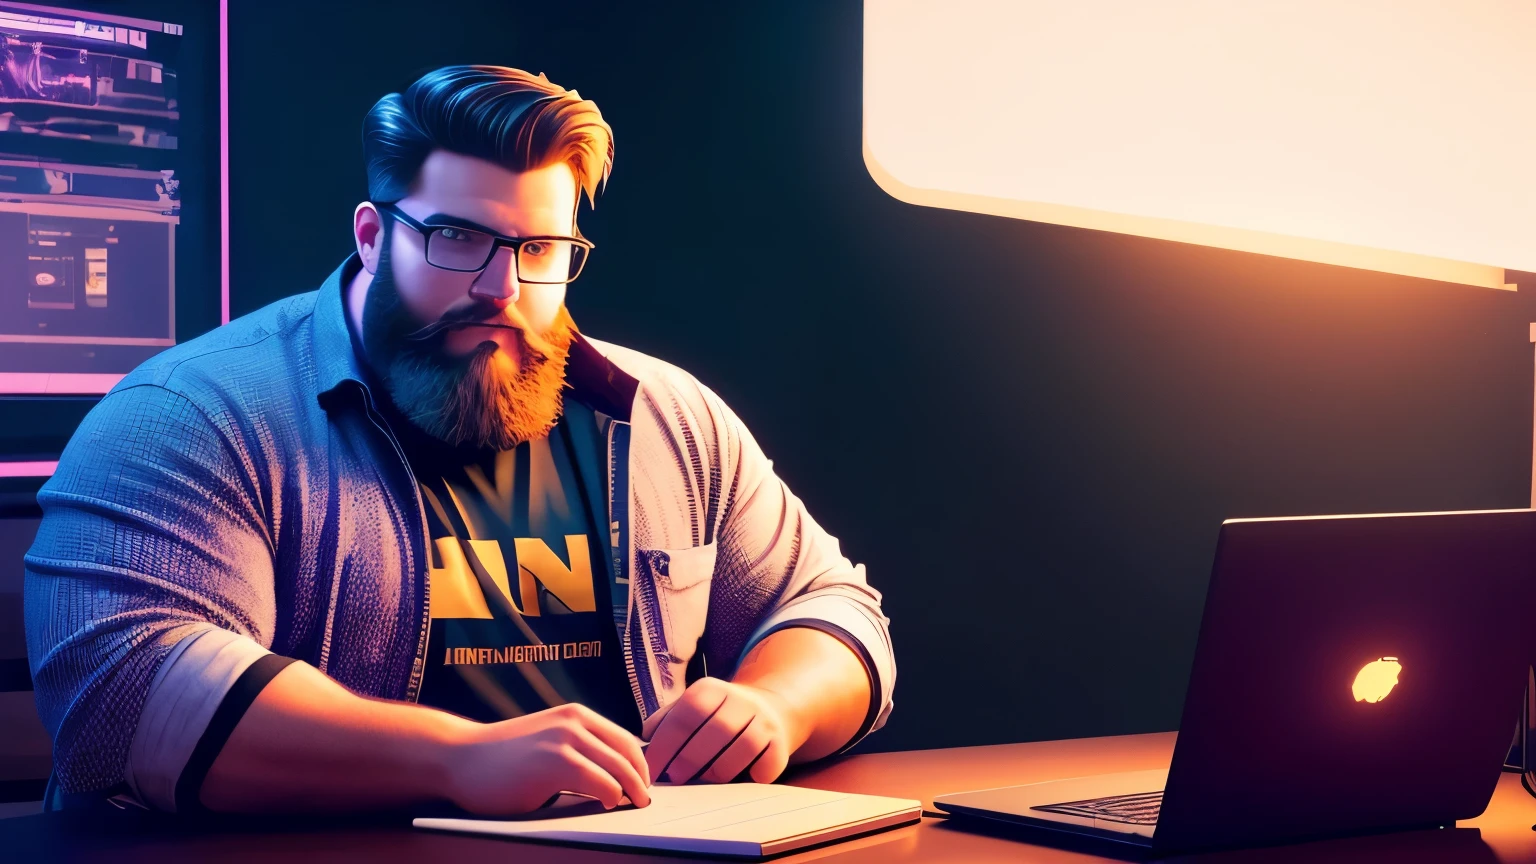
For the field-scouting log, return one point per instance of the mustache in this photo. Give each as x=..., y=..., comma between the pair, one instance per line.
x=478, y=316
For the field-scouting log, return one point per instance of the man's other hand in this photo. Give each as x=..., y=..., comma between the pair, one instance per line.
x=514, y=766
x=717, y=729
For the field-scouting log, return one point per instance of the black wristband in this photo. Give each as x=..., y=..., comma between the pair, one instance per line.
x=226, y=717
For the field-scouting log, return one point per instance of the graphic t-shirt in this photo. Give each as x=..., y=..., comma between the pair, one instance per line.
x=522, y=601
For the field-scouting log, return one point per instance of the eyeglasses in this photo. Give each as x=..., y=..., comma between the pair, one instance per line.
x=540, y=260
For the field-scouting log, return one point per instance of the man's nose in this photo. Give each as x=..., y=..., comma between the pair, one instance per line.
x=497, y=283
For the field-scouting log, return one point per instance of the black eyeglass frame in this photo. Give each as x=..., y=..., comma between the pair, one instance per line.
x=497, y=241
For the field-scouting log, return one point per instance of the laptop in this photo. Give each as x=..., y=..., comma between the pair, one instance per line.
x=1352, y=674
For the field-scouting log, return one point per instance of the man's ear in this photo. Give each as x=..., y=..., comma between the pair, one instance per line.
x=368, y=231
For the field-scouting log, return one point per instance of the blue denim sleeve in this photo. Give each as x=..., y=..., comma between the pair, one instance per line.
x=153, y=527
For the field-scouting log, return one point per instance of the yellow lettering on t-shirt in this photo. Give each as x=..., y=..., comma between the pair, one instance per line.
x=455, y=591
x=538, y=564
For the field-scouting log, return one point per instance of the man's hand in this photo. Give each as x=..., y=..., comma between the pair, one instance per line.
x=717, y=729
x=309, y=745
x=518, y=765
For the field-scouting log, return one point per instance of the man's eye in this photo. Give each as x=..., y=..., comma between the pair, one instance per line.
x=454, y=234
x=536, y=249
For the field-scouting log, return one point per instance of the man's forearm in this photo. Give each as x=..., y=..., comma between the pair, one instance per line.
x=821, y=681
x=307, y=744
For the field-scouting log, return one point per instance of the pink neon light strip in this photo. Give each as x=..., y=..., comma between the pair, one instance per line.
x=27, y=469
x=224, y=154
x=58, y=383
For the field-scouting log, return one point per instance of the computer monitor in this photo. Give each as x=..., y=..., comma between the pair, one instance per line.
x=112, y=168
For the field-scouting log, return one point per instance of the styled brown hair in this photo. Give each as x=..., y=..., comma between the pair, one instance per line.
x=505, y=116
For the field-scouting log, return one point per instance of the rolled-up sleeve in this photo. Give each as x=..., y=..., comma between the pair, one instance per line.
x=183, y=698
x=153, y=537
x=769, y=540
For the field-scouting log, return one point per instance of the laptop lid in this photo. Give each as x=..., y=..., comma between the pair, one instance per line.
x=1353, y=673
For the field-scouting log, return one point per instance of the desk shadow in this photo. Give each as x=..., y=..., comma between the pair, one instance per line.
x=131, y=837
x=1429, y=846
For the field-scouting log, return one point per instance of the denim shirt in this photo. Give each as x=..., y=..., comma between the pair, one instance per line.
x=244, y=481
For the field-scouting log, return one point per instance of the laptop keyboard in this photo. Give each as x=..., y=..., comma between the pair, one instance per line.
x=1138, y=809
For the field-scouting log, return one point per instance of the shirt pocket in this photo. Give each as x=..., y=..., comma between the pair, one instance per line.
x=682, y=579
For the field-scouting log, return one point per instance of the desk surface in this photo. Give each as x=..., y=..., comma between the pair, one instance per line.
x=1504, y=834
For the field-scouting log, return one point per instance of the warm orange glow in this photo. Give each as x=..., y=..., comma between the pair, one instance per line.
x=1352, y=134
x=1376, y=679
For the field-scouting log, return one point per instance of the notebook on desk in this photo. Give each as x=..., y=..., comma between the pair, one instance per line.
x=747, y=820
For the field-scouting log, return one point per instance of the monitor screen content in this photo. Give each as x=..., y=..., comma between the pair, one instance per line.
x=90, y=196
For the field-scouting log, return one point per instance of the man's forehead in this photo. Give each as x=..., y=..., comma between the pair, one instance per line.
x=540, y=200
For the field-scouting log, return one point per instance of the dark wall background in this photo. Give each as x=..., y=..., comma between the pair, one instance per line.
x=1030, y=434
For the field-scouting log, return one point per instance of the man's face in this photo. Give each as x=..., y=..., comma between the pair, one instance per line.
x=492, y=376
x=478, y=194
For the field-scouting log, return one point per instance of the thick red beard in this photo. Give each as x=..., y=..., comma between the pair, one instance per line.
x=482, y=401
x=497, y=407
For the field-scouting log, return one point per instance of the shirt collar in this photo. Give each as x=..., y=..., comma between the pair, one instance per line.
x=336, y=361
x=590, y=376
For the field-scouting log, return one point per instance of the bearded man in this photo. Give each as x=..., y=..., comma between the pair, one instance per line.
x=413, y=540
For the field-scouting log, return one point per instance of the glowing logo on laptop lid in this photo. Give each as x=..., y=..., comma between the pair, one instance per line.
x=1376, y=679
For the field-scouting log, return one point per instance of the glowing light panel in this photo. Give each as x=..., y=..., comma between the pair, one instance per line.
x=1391, y=135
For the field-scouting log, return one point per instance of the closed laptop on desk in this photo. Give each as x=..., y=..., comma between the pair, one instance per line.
x=1353, y=673
x=740, y=819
